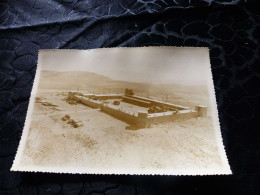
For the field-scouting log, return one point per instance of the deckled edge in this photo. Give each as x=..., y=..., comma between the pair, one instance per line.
x=215, y=119
x=27, y=122
x=184, y=172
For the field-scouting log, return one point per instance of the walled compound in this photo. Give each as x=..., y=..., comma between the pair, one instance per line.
x=140, y=112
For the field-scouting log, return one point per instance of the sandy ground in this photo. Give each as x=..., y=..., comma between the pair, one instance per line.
x=126, y=107
x=104, y=142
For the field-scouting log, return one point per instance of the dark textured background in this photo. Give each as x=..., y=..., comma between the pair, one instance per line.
x=230, y=29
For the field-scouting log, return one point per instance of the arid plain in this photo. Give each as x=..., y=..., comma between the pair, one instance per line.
x=103, y=141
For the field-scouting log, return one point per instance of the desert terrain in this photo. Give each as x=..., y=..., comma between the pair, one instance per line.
x=103, y=141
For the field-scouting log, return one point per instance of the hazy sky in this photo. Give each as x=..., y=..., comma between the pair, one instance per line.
x=149, y=64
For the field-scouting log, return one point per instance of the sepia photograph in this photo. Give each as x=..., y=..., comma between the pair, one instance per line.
x=143, y=110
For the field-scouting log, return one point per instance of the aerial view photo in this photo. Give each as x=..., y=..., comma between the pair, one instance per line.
x=149, y=110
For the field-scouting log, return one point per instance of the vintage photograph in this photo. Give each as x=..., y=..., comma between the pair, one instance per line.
x=145, y=110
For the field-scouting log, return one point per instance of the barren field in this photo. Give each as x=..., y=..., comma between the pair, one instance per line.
x=103, y=142
x=128, y=107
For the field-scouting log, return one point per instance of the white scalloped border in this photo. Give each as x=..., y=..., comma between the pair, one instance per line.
x=176, y=172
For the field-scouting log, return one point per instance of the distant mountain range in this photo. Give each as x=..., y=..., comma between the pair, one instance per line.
x=82, y=80
x=92, y=82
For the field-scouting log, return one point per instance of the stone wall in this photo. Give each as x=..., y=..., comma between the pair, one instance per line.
x=117, y=113
x=146, y=121
x=71, y=94
x=158, y=103
x=202, y=110
x=136, y=101
x=143, y=119
x=87, y=101
x=173, y=117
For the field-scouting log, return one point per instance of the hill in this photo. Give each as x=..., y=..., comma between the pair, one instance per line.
x=92, y=82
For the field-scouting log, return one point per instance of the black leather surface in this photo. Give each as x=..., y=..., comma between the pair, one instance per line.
x=229, y=28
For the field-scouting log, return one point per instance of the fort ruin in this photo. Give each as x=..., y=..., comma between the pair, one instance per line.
x=137, y=111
